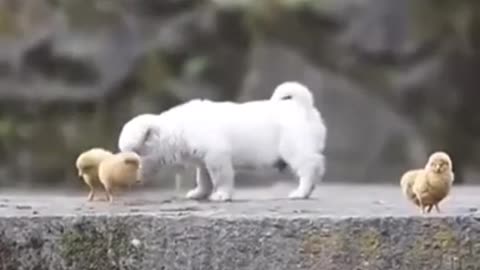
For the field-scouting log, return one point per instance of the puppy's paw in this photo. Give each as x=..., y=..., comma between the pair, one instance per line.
x=221, y=196
x=299, y=194
x=197, y=194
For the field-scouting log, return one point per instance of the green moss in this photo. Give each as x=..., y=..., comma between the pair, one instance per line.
x=318, y=246
x=153, y=72
x=445, y=239
x=432, y=19
x=317, y=242
x=261, y=15
x=8, y=26
x=428, y=19
x=368, y=244
x=195, y=66
x=320, y=6
x=7, y=128
x=53, y=141
x=89, y=14
x=86, y=247
x=363, y=248
x=437, y=242
x=91, y=130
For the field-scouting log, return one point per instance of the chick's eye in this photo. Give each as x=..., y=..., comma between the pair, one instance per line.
x=287, y=97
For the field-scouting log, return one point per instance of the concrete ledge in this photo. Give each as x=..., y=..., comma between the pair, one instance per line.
x=64, y=232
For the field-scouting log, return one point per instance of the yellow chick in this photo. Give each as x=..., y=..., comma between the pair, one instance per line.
x=120, y=170
x=406, y=183
x=427, y=187
x=87, y=166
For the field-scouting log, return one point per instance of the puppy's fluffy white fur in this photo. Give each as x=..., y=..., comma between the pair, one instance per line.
x=222, y=136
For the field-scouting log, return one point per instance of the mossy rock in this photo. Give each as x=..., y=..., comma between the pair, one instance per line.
x=86, y=246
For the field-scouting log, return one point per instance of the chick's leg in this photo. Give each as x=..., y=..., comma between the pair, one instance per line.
x=429, y=209
x=437, y=208
x=91, y=194
x=109, y=196
x=108, y=193
x=421, y=205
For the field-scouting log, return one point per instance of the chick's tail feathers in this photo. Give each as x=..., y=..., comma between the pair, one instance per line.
x=406, y=182
x=407, y=190
x=294, y=91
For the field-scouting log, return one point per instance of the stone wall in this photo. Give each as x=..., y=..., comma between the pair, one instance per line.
x=149, y=242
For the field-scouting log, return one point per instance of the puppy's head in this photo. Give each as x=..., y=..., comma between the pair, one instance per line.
x=135, y=133
x=439, y=162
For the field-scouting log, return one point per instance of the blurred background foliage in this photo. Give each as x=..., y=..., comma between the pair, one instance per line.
x=394, y=79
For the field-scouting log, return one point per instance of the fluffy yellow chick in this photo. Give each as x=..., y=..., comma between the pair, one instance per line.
x=406, y=183
x=87, y=166
x=121, y=169
x=427, y=187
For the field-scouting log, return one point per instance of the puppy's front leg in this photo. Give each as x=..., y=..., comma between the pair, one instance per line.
x=204, y=185
x=221, y=172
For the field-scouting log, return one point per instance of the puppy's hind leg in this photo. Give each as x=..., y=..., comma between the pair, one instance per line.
x=204, y=185
x=221, y=172
x=309, y=170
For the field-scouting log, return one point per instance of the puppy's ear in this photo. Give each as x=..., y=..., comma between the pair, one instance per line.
x=148, y=134
x=131, y=161
x=139, y=147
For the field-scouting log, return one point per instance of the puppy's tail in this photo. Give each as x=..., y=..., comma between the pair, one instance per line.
x=294, y=91
x=135, y=132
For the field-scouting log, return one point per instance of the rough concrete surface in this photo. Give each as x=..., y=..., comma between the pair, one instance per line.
x=341, y=227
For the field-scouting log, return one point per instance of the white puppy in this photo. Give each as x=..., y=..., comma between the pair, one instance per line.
x=223, y=136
